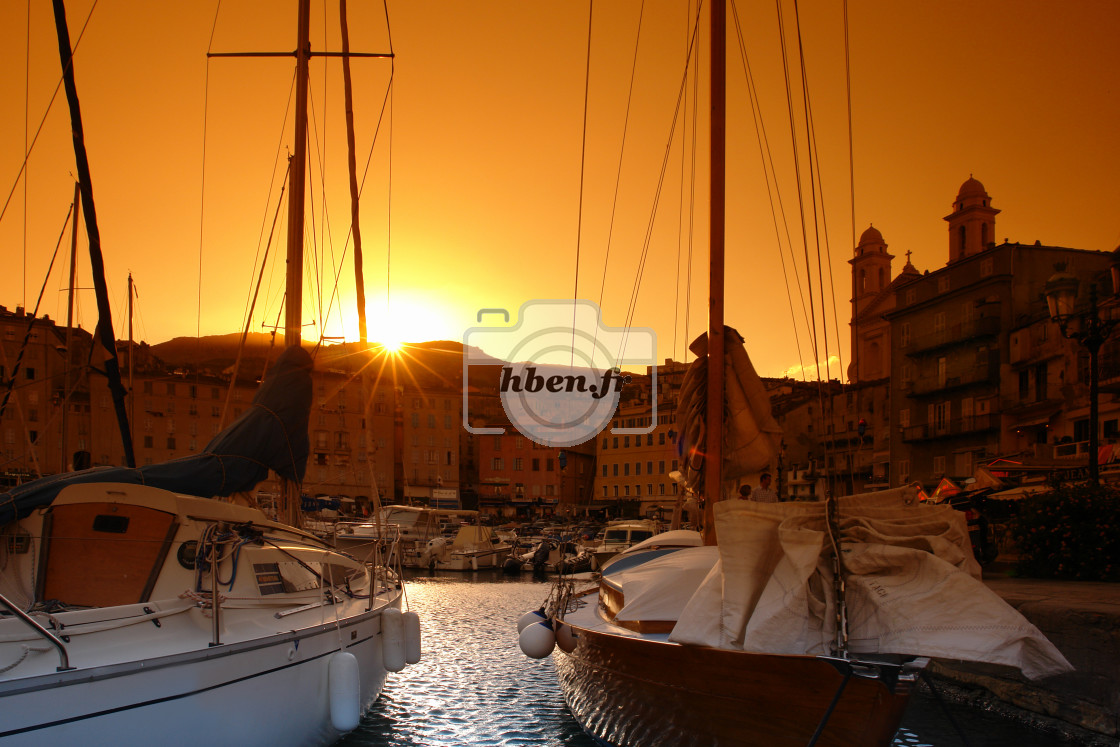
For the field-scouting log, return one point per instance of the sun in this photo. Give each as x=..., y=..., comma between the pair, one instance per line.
x=408, y=319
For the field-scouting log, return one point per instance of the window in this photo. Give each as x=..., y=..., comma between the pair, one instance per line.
x=604, y=442
x=904, y=418
x=171, y=442
x=626, y=469
x=615, y=470
x=536, y=465
x=496, y=463
x=939, y=465
x=904, y=335
x=604, y=470
x=939, y=321
x=943, y=284
x=986, y=267
x=637, y=468
x=518, y=464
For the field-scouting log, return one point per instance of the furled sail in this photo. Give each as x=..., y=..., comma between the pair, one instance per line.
x=751, y=437
x=913, y=586
x=270, y=434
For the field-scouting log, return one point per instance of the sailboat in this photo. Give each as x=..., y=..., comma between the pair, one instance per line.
x=136, y=605
x=794, y=623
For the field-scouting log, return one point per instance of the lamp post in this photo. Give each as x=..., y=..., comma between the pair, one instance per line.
x=1090, y=330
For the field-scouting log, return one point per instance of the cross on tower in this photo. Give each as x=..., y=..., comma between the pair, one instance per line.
x=908, y=253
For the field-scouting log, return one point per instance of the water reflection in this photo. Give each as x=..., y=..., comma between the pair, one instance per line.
x=475, y=687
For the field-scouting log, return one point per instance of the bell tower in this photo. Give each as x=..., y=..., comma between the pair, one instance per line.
x=871, y=274
x=972, y=224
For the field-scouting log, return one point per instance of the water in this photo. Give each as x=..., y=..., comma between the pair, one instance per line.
x=475, y=687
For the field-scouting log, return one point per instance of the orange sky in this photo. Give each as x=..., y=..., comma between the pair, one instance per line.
x=487, y=128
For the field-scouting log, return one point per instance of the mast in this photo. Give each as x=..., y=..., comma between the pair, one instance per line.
x=104, y=332
x=293, y=303
x=70, y=325
x=131, y=355
x=297, y=163
x=713, y=448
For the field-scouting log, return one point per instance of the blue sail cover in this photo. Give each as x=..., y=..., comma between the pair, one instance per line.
x=270, y=435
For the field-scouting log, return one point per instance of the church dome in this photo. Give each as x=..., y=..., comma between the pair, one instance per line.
x=971, y=188
x=870, y=240
x=871, y=236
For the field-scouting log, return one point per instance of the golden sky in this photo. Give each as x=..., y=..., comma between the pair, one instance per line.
x=477, y=172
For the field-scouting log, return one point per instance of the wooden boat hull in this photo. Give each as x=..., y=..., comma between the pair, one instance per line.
x=629, y=690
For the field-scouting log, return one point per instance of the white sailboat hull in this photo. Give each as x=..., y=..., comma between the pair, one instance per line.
x=271, y=688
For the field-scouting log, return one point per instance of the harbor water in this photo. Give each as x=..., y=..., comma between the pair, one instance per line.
x=475, y=687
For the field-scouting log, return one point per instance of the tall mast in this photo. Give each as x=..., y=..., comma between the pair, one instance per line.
x=104, y=335
x=293, y=303
x=713, y=448
x=70, y=326
x=359, y=280
x=131, y=356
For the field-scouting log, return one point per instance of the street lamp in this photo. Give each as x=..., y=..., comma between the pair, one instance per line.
x=1090, y=330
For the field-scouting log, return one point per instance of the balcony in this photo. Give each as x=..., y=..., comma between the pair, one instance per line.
x=953, y=335
x=983, y=374
x=951, y=428
x=1047, y=397
x=1028, y=347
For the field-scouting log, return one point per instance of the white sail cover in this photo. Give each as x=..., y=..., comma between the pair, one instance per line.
x=912, y=586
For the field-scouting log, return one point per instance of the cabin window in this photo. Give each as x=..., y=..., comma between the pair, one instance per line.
x=111, y=524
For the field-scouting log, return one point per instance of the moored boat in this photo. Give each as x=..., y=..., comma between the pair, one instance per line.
x=129, y=607
x=621, y=535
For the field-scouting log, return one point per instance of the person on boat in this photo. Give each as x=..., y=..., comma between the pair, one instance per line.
x=764, y=494
x=744, y=492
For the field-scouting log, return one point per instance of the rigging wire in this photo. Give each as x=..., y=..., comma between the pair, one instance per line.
x=692, y=195
x=43, y=120
x=775, y=195
x=800, y=190
x=648, y=238
x=622, y=149
x=582, y=171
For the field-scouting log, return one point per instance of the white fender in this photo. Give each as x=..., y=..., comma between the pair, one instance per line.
x=565, y=636
x=537, y=640
x=411, y=637
x=344, y=691
x=392, y=639
x=528, y=619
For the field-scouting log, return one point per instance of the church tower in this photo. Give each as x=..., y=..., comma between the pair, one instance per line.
x=972, y=224
x=871, y=274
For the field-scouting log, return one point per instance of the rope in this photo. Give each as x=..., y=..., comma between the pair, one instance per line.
x=27, y=650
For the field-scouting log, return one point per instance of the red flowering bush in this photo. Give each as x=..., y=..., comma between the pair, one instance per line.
x=1072, y=532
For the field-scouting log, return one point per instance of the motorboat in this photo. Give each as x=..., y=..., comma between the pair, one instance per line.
x=473, y=548
x=620, y=535
x=414, y=527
